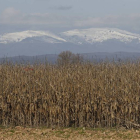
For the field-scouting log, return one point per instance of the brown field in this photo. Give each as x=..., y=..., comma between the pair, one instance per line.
x=21, y=133
x=89, y=95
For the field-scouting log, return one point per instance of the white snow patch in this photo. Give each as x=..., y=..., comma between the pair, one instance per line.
x=19, y=36
x=102, y=34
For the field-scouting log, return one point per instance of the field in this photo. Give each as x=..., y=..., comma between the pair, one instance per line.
x=19, y=133
x=70, y=95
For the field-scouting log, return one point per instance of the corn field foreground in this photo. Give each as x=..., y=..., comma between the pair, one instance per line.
x=73, y=95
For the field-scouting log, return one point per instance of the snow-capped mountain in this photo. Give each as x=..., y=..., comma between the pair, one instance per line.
x=33, y=43
x=32, y=35
x=90, y=36
x=94, y=35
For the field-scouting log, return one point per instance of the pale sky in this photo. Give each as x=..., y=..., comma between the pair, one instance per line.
x=70, y=14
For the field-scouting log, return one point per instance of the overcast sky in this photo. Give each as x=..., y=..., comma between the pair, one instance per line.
x=123, y=14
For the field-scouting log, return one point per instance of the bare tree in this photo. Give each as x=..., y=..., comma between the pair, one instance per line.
x=67, y=57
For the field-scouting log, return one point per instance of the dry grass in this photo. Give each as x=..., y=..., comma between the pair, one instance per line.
x=78, y=95
x=19, y=133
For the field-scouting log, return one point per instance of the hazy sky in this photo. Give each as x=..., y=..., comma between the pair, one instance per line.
x=71, y=13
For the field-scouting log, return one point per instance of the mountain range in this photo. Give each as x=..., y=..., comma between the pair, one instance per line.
x=33, y=43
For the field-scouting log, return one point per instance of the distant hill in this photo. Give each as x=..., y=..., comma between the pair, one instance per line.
x=93, y=57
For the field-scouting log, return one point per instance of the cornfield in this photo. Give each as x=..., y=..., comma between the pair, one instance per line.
x=73, y=95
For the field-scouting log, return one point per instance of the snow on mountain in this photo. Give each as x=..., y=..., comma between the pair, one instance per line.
x=77, y=36
x=94, y=35
x=32, y=43
x=20, y=36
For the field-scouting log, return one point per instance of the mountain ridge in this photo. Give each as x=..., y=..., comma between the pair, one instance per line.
x=19, y=36
x=78, y=36
x=93, y=35
x=32, y=43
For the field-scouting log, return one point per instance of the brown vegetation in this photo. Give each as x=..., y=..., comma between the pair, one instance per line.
x=21, y=133
x=79, y=95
